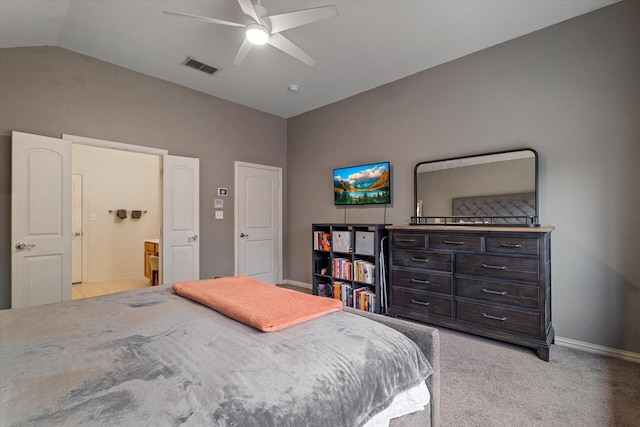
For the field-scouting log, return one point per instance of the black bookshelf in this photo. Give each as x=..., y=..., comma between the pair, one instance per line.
x=346, y=261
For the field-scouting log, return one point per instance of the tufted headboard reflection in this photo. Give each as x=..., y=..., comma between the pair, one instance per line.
x=510, y=206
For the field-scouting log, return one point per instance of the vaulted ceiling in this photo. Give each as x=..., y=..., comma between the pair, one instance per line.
x=370, y=42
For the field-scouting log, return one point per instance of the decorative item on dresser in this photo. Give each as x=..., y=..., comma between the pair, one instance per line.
x=489, y=281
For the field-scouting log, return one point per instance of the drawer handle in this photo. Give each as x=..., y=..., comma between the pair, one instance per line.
x=487, y=291
x=408, y=240
x=424, y=282
x=502, y=319
x=449, y=242
x=415, y=301
x=494, y=267
x=511, y=246
x=420, y=259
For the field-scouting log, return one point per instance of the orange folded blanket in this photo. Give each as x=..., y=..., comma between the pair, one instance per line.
x=261, y=305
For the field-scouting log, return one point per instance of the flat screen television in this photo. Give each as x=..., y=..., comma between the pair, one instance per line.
x=362, y=185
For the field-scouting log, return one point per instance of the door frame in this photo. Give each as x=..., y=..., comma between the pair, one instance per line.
x=83, y=255
x=236, y=233
x=111, y=145
x=103, y=143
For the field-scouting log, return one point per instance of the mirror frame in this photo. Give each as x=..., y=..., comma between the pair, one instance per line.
x=528, y=221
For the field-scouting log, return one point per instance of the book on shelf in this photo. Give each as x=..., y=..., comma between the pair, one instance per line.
x=364, y=298
x=345, y=294
x=337, y=291
x=364, y=271
x=321, y=241
x=342, y=268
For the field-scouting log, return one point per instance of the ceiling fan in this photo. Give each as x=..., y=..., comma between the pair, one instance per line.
x=263, y=28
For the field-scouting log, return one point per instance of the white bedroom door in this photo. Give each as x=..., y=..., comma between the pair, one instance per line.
x=40, y=220
x=258, y=221
x=180, y=252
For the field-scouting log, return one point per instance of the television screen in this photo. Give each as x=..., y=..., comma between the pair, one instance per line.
x=362, y=185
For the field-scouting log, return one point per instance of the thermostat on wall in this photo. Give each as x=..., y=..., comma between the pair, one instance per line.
x=222, y=191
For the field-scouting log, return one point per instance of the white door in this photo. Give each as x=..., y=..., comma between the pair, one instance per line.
x=258, y=222
x=40, y=220
x=180, y=252
x=76, y=227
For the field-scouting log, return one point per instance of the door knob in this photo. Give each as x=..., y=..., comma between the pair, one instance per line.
x=24, y=245
x=193, y=238
x=76, y=234
x=244, y=235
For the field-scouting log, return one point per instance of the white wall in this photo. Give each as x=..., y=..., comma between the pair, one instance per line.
x=118, y=180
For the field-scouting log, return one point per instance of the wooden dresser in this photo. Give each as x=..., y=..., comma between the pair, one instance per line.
x=489, y=281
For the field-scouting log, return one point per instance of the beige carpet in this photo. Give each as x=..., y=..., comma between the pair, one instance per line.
x=488, y=383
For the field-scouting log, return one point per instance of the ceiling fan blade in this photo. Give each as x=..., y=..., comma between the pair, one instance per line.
x=284, y=44
x=248, y=9
x=245, y=47
x=204, y=18
x=285, y=21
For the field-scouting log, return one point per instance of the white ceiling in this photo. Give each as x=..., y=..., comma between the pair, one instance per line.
x=370, y=43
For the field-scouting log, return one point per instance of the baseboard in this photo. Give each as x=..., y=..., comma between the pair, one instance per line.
x=298, y=284
x=598, y=349
x=564, y=342
x=112, y=276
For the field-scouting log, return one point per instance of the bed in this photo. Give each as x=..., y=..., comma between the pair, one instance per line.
x=152, y=357
x=517, y=208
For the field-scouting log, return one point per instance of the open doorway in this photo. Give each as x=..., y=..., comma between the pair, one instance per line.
x=116, y=214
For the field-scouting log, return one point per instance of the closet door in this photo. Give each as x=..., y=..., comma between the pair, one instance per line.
x=40, y=220
x=180, y=253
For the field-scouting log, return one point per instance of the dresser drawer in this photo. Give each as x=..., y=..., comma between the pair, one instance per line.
x=516, y=245
x=409, y=240
x=498, y=292
x=421, y=302
x=503, y=267
x=522, y=322
x=422, y=259
x=455, y=242
x=422, y=281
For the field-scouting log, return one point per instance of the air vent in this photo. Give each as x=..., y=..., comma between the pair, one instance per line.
x=194, y=63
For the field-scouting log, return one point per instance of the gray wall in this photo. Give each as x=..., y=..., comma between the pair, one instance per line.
x=571, y=92
x=50, y=91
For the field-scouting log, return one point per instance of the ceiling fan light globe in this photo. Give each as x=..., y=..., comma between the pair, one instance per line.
x=257, y=34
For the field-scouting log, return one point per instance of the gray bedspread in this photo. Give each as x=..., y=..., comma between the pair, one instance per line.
x=150, y=357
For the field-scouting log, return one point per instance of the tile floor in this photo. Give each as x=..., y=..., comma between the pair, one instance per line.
x=94, y=289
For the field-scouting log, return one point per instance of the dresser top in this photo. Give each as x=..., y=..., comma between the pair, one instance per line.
x=480, y=229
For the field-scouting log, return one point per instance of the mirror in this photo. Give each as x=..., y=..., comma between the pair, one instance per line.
x=485, y=189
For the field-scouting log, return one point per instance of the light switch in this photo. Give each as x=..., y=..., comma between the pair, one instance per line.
x=219, y=214
x=93, y=216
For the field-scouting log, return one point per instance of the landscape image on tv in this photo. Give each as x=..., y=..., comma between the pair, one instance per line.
x=362, y=185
